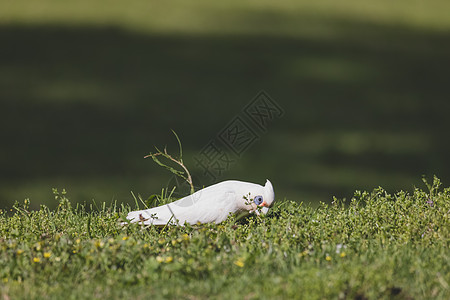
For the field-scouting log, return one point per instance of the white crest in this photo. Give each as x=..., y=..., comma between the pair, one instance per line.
x=270, y=194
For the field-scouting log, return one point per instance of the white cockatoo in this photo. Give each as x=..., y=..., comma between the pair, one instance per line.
x=211, y=204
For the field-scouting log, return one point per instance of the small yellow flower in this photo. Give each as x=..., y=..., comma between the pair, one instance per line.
x=19, y=251
x=36, y=259
x=77, y=241
x=343, y=254
x=169, y=259
x=47, y=254
x=37, y=246
x=303, y=253
x=125, y=238
x=161, y=241
x=159, y=259
x=328, y=258
x=239, y=263
x=99, y=244
x=174, y=242
x=185, y=237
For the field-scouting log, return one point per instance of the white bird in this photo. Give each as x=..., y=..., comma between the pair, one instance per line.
x=211, y=204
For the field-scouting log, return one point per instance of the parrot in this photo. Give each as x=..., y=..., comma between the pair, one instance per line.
x=212, y=204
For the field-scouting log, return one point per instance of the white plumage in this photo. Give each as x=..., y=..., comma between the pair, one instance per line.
x=211, y=204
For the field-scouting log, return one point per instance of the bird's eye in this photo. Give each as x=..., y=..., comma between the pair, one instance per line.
x=258, y=200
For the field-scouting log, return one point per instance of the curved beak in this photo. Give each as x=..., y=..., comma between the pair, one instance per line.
x=264, y=208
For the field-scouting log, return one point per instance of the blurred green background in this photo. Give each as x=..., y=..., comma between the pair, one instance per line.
x=87, y=88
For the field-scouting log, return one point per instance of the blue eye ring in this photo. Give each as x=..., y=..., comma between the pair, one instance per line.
x=258, y=200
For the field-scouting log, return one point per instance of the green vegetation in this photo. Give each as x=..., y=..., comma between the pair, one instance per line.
x=375, y=246
x=88, y=86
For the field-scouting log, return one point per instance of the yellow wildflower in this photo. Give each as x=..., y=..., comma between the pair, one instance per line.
x=37, y=246
x=19, y=251
x=99, y=244
x=36, y=259
x=328, y=258
x=169, y=259
x=303, y=253
x=125, y=238
x=239, y=263
x=47, y=254
x=343, y=254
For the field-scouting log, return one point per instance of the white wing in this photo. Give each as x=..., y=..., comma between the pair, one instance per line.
x=211, y=204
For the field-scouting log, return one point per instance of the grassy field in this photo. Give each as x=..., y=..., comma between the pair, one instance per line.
x=375, y=246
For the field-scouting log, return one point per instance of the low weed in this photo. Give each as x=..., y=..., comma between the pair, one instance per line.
x=375, y=246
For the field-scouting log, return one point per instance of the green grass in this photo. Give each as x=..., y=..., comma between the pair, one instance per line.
x=205, y=17
x=375, y=246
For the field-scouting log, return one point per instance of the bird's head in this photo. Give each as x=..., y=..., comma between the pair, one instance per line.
x=262, y=200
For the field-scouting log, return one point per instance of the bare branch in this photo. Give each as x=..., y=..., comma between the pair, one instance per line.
x=179, y=162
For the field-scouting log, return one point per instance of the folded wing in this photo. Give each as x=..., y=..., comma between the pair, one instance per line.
x=204, y=206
